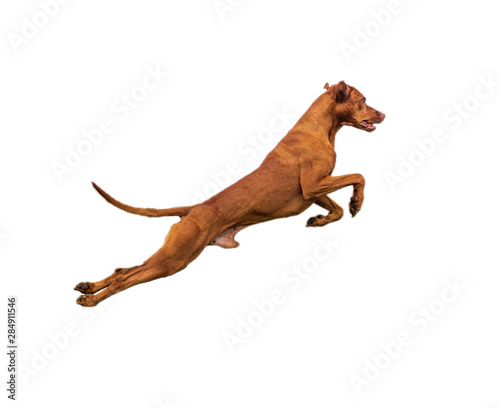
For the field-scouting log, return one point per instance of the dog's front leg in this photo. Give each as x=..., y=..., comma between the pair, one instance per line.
x=330, y=184
x=335, y=212
x=314, y=185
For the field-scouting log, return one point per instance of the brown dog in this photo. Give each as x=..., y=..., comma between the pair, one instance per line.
x=295, y=175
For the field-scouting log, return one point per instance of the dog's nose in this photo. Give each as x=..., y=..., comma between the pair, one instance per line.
x=382, y=115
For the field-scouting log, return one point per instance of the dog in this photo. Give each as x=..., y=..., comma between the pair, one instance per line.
x=295, y=175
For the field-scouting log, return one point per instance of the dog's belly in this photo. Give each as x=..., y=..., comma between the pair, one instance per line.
x=294, y=207
x=226, y=239
x=277, y=209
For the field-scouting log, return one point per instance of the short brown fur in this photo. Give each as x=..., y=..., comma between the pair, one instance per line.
x=293, y=176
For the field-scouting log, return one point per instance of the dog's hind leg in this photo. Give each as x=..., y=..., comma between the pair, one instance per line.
x=184, y=242
x=120, y=283
x=88, y=288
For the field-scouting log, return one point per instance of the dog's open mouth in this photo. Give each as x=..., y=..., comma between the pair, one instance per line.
x=367, y=126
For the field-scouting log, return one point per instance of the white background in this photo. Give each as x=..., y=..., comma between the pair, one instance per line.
x=164, y=340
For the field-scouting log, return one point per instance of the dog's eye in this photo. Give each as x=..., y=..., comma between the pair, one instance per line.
x=363, y=100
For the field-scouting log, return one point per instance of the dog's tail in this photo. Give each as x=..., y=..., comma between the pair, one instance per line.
x=148, y=212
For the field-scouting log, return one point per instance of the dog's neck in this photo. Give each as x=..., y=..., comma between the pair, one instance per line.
x=320, y=120
x=335, y=127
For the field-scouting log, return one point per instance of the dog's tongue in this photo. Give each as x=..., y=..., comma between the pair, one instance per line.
x=367, y=125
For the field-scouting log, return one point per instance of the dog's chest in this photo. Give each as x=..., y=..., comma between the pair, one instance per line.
x=332, y=160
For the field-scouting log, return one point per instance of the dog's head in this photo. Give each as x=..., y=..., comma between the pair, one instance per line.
x=350, y=107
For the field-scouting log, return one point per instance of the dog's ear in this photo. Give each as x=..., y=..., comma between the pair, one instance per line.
x=326, y=86
x=342, y=91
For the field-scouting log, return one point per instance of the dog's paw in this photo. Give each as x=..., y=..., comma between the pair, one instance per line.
x=317, y=221
x=356, y=202
x=84, y=287
x=86, y=301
